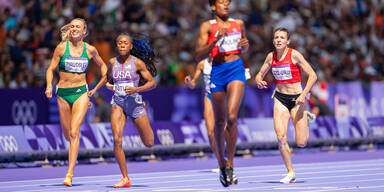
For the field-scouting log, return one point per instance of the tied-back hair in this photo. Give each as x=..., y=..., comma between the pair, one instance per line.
x=142, y=50
x=64, y=30
x=212, y=2
x=282, y=29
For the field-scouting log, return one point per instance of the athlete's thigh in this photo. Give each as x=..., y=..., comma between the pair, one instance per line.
x=280, y=118
x=118, y=120
x=65, y=113
x=300, y=121
x=235, y=91
x=79, y=109
x=219, y=105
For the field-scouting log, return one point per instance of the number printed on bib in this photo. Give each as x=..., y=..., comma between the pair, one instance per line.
x=282, y=72
x=120, y=88
x=76, y=64
x=229, y=42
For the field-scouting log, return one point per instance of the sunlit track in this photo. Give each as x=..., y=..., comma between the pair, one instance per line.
x=349, y=175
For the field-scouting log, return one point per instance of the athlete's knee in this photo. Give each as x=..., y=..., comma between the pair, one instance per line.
x=219, y=123
x=211, y=133
x=232, y=120
x=282, y=141
x=301, y=143
x=66, y=135
x=73, y=135
x=148, y=142
x=118, y=141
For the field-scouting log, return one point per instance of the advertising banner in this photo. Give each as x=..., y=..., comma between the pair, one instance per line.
x=99, y=135
x=23, y=106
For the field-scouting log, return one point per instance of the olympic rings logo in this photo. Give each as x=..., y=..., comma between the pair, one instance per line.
x=8, y=144
x=24, y=112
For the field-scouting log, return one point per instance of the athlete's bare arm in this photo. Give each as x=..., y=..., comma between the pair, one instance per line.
x=109, y=83
x=103, y=69
x=192, y=82
x=312, y=77
x=263, y=71
x=150, y=81
x=243, y=44
x=202, y=48
x=59, y=50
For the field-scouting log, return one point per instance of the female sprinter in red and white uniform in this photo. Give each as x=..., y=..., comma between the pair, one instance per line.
x=289, y=96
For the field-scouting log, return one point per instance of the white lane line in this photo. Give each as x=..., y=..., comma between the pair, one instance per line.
x=304, y=178
x=359, y=188
x=261, y=167
x=98, y=179
x=236, y=189
x=238, y=171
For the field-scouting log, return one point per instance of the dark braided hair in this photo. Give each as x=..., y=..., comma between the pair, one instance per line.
x=142, y=50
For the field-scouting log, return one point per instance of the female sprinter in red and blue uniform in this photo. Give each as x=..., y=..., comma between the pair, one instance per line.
x=224, y=39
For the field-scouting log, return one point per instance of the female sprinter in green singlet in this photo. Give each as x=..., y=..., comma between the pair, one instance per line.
x=72, y=55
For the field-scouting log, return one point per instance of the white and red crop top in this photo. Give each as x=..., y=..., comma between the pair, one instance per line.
x=285, y=71
x=227, y=45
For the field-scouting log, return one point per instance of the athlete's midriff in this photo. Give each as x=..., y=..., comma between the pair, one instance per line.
x=68, y=80
x=226, y=58
x=289, y=88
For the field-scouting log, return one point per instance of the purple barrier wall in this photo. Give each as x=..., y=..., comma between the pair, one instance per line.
x=175, y=104
x=23, y=106
x=50, y=137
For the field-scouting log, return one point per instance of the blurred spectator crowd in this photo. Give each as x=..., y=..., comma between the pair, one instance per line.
x=342, y=39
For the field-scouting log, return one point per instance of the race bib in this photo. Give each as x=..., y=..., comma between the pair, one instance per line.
x=76, y=64
x=229, y=42
x=119, y=88
x=282, y=72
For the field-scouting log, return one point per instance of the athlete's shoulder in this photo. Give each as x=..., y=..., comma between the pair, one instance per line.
x=112, y=60
x=269, y=56
x=60, y=48
x=239, y=21
x=295, y=52
x=139, y=64
x=137, y=60
x=61, y=45
x=90, y=47
x=206, y=24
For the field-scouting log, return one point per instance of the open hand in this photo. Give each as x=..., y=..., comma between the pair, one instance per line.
x=130, y=90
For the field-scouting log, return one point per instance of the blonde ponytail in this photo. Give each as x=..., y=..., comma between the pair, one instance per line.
x=64, y=30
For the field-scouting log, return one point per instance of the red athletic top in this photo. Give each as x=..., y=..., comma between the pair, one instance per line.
x=227, y=45
x=285, y=71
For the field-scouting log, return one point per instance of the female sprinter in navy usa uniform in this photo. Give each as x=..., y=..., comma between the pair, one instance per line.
x=130, y=75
